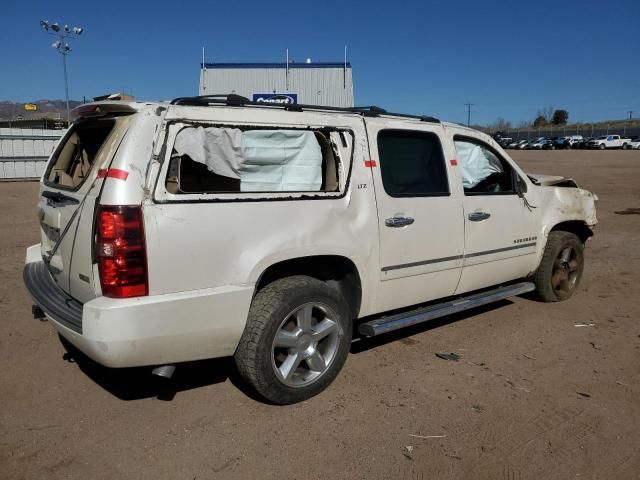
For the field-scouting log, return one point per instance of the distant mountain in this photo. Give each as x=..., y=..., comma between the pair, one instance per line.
x=45, y=109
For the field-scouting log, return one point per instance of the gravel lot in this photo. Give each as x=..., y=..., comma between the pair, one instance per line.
x=533, y=397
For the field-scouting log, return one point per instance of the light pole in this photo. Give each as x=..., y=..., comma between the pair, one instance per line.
x=63, y=48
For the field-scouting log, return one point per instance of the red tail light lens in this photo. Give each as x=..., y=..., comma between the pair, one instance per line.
x=121, y=251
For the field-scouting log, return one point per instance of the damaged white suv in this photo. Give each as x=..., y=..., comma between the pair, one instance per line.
x=213, y=227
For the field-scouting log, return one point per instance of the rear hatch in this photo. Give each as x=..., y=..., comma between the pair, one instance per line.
x=70, y=188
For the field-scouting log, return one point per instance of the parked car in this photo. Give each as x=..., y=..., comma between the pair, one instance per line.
x=525, y=145
x=562, y=143
x=537, y=144
x=517, y=144
x=634, y=143
x=574, y=139
x=582, y=144
x=609, y=141
x=504, y=141
x=214, y=227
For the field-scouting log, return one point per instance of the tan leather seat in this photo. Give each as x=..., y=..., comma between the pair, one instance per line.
x=66, y=172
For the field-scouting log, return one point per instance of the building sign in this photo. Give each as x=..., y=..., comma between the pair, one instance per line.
x=280, y=98
x=31, y=107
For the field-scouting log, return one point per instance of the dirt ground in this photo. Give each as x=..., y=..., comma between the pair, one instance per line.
x=533, y=397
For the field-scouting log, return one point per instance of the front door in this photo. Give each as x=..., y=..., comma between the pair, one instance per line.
x=420, y=223
x=500, y=234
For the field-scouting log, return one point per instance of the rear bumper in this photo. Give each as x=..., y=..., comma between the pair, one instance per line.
x=52, y=299
x=153, y=330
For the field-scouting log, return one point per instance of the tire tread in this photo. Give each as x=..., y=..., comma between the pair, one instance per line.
x=261, y=313
x=556, y=240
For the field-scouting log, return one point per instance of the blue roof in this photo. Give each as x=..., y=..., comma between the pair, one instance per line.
x=276, y=65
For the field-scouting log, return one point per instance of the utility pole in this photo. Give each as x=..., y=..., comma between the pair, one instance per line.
x=469, y=105
x=630, y=112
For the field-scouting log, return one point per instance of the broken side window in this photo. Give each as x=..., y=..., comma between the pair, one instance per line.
x=231, y=160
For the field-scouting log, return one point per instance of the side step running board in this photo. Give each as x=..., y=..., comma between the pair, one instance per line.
x=413, y=317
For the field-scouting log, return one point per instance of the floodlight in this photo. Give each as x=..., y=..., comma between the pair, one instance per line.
x=63, y=48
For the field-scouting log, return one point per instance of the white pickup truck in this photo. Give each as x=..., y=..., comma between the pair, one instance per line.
x=609, y=141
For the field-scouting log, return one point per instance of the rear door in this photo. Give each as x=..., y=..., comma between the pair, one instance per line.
x=69, y=189
x=419, y=213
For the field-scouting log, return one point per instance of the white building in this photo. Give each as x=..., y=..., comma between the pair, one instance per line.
x=325, y=83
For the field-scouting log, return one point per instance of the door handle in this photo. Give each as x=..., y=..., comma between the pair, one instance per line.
x=478, y=216
x=396, y=222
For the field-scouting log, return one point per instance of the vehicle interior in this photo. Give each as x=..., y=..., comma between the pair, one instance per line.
x=74, y=158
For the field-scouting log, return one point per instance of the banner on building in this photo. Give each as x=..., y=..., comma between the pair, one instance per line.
x=281, y=98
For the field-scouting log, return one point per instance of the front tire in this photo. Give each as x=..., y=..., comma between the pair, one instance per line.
x=560, y=270
x=296, y=340
x=601, y=146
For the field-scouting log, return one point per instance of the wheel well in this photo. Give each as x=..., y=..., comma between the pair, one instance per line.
x=339, y=273
x=578, y=228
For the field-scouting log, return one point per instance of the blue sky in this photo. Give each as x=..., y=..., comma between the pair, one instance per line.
x=508, y=58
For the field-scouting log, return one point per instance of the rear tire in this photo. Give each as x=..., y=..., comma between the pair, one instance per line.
x=561, y=268
x=296, y=340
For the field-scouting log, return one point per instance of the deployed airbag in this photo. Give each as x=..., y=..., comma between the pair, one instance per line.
x=220, y=149
x=281, y=160
x=476, y=163
x=263, y=160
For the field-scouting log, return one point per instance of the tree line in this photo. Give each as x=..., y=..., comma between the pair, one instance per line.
x=544, y=117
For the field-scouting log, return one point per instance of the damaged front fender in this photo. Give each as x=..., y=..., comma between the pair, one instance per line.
x=569, y=204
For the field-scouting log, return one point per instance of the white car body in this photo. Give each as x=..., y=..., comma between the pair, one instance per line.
x=206, y=253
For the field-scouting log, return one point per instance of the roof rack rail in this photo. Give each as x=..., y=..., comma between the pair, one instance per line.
x=203, y=100
x=238, y=100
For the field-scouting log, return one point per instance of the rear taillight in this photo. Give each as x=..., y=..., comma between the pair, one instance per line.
x=121, y=251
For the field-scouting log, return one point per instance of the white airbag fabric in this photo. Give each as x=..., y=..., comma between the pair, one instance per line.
x=281, y=160
x=220, y=149
x=263, y=160
x=475, y=163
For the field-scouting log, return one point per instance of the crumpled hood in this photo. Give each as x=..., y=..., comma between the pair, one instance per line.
x=553, y=180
